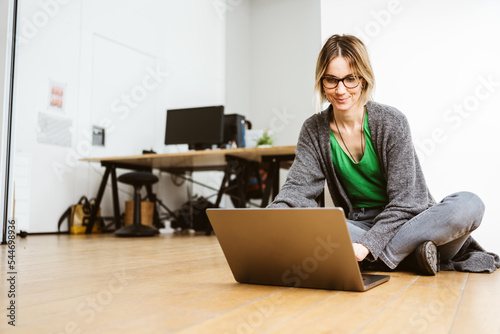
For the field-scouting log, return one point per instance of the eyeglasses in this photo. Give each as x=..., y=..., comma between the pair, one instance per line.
x=351, y=81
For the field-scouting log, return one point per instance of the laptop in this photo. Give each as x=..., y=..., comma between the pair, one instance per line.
x=297, y=247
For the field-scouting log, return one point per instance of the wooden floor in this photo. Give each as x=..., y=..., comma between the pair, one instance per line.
x=182, y=284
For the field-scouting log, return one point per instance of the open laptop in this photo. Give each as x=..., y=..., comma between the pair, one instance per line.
x=300, y=247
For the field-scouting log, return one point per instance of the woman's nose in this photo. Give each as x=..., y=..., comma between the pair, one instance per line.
x=341, y=87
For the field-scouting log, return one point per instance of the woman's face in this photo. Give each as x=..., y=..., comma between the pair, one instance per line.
x=341, y=97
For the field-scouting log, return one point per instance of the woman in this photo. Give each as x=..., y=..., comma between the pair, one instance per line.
x=365, y=152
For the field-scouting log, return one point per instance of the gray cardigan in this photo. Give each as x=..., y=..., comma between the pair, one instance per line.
x=406, y=187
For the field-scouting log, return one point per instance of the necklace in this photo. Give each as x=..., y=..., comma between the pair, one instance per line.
x=362, y=131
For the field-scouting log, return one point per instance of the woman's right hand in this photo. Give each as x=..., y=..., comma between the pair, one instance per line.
x=360, y=251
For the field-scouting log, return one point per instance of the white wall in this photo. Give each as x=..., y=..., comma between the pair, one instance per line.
x=238, y=61
x=437, y=61
x=284, y=43
x=271, y=51
x=122, y=65
x=47, y=49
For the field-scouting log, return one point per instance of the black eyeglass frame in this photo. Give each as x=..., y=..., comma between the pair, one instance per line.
x=341, y=80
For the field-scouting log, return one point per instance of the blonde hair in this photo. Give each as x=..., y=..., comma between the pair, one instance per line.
x=354, y=51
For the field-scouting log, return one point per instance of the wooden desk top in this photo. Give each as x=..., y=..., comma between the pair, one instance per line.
x=194, y=159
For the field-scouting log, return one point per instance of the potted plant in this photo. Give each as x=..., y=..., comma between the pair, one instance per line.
x=266, y=140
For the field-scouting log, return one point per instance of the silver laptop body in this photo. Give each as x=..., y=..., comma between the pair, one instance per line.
x=300, y=247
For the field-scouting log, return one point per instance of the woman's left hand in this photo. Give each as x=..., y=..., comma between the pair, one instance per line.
x=360, y=251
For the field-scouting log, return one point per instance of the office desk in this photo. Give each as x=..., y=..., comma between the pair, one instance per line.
x=209, y=160
x=195, y=160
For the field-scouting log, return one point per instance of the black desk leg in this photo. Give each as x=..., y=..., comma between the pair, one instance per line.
x=116, y=205
x=98, y=199
x=276, y=179
x=225, y=179
x=272, y=178
x=242, y=180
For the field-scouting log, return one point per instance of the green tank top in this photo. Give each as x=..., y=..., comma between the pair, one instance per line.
x=364, y=182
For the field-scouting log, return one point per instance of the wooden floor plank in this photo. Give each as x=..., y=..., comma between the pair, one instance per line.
x=420, y=308
x=479, y=310
x=346, y=311
x=201, y=310
x=262, y=314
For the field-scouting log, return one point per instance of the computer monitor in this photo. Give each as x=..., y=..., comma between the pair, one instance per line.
x=200, y=128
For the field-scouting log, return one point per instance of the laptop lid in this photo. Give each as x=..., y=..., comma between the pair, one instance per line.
x=301, y=247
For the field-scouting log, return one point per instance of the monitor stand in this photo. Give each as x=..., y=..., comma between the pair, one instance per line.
x=200, y=146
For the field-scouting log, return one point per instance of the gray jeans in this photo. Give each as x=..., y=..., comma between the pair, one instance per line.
x=447, y=224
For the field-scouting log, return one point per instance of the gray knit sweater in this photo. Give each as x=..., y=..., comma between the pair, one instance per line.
x=406, y=187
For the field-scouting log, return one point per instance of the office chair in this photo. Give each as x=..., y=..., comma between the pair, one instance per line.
x=137, y=180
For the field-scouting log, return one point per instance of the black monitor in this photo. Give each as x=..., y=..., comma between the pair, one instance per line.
x=200, y=128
